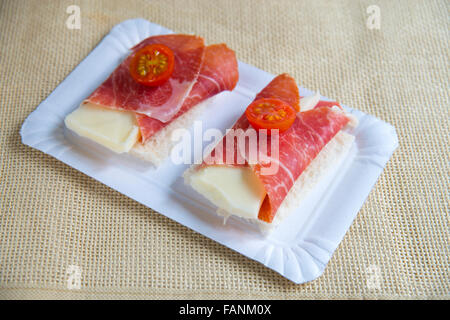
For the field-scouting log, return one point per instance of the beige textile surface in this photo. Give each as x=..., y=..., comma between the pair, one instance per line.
x=53, y=216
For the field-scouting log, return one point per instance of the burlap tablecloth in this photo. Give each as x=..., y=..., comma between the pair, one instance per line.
x=53, y=216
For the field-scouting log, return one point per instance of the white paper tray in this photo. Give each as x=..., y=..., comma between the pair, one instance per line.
x=302, y=245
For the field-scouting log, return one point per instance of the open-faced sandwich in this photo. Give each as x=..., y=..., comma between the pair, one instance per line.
x=310, y=138
x=158, y=88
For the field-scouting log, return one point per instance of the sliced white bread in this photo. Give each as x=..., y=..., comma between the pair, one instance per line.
x=158, y=147
x=334, y=152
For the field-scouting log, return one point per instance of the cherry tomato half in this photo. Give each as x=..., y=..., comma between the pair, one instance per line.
x=268, y=113
x=152, y=65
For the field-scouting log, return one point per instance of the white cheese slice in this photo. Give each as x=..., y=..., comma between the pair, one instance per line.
x=114, y=129
x=309, y=102
x=236, y=190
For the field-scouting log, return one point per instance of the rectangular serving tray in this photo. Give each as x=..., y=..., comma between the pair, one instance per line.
x=298, y=249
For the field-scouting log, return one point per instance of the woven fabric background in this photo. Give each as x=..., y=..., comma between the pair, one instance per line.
x=53, y=216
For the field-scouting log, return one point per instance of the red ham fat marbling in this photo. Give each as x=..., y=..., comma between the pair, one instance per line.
x=311, y=131
x=219, y=72
x=298, y=146
x=162, y=102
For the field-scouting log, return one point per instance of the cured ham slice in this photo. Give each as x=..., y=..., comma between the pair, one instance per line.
x=282, y=87
x=298, y=146
x=162, y=102
x=218, y=73
x=311, y=131
x=323, y=103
